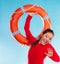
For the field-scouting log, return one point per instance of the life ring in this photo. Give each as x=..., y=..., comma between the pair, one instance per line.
x=19, y=12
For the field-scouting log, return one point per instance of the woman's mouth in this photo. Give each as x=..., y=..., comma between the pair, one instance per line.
x=44, y=41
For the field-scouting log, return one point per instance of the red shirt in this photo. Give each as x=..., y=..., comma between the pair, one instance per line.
x=36, y=54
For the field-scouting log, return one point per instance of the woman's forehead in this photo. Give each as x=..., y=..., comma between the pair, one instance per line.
x=49, y=34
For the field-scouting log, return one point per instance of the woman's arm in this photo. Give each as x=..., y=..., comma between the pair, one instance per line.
x=30, y=37
x=55, y=57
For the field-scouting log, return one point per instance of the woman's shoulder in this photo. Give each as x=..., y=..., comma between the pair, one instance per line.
x=49, y=46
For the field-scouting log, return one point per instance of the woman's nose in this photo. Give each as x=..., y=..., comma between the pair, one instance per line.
x=48, y=39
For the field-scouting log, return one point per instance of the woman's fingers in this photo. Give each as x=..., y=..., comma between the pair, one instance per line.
x=49, y=53
x=31, y=14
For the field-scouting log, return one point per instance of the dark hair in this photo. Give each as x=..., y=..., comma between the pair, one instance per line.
x=46, y=31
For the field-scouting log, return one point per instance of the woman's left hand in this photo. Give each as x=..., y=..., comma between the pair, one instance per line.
x=49, y=53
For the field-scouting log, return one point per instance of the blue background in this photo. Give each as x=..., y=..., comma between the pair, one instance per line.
x=11, y=52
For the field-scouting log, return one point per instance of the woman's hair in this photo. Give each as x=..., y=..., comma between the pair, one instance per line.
x=46, y=31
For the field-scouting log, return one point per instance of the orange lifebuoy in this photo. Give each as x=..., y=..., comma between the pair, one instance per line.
x=19, y=12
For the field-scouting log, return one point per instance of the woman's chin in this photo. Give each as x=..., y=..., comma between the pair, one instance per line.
x=43, y=43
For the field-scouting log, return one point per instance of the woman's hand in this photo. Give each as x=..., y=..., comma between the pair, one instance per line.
x=31, y=14
x=49, y=53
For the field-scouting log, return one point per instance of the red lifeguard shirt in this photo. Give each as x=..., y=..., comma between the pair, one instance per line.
x=36, y=54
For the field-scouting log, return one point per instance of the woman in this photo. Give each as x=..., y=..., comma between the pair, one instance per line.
x=40, y=48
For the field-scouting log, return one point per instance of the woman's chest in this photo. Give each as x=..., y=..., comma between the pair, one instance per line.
x=38, y=50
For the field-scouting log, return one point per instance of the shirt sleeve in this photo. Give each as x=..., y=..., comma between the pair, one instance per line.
x=55, y=56
x=29, y=36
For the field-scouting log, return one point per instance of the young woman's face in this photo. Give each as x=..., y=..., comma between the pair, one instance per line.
x=46, y=38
